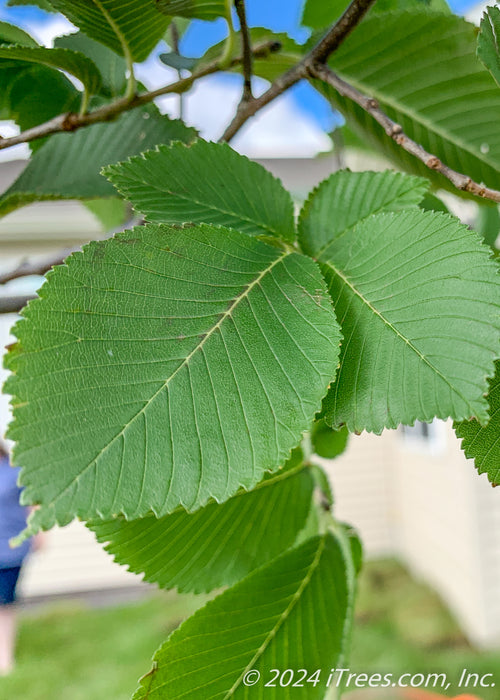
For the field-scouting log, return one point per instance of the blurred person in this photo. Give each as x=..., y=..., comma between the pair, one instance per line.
x=12, y=521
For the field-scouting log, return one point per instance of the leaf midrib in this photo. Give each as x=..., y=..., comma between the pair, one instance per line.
x=393, y=328
x=284, y=615
x=184, y=363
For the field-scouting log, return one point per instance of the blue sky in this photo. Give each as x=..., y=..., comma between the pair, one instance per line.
x=279, y=15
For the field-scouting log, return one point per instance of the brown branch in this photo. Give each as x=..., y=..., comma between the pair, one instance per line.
x=394, y=131
x=27, y=269
x=72, y=121
x=320, y=53
x=246, y=47
x=11, y=305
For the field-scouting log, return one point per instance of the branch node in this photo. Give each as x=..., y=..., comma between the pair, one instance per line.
x=70, y=122
x=434, y=163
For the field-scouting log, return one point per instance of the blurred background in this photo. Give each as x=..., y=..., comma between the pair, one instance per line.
x=431, y=527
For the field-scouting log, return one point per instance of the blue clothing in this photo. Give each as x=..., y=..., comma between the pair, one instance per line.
x=8, y=583
x=12, y=517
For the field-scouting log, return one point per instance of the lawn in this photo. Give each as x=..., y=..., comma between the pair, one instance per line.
x=70, y=652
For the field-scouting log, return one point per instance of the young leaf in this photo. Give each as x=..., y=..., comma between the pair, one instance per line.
x=165, y=367
x=423, y=70
x=346, y=199
x=488, y=42
x=418, y=301
x=111, y=66
x=219, y=544
x=73, y=62
x=482, y=443
x=69, y=165
x=326, y=441
x=194, y=9
x=205, y=182
x=293, y=614
x=131, y=28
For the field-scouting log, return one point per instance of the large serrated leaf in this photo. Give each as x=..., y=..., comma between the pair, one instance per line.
x=488, y=42
x=69, y=165
x=112, y=67
x=345, y=199
x=165, y=367
x=206, y=182
x=418, y=299
x=194, y=9
x=131, y=28
x=319, y=14
x=73, y=62
x=294, y=613
x=423, y=70
x=220, y=544
x=482, y=443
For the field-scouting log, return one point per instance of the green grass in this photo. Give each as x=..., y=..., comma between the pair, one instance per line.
x=70, y=652
x=402, y=626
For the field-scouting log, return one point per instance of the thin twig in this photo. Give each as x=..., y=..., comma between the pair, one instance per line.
x=72, y=121
x=246, y=47
x=394, y=131
x=27, y=269
x=11, y=305
x=330, y=43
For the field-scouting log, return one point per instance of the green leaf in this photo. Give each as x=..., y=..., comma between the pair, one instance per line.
x=131, y=28
x=10, y=34
x=206, y=182
x=423, y=70
x=31, y=95
x=293, y=613
x=73, y=62
x=432, y=203
x=68, y=166
x=270, y=67
x=42, y=4
x=482, y=443
x=219, y=544
x=111, y=66
x=488, y=224
x=328, y=443
x=418, y=300
x=488, y=42
x=319, y=14
x=175, y=60
x=345, y=199
x=194, y=9
x=111, y=213
x=164, y=367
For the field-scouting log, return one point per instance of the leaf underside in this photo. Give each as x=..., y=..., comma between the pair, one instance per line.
x=488, y=43
x=417, y=298
x=165, y=367
x=220, y=544
x=423, y=70
x=130, y=28
x=290, y=614
x=205, y=182
x=193, y=9
x=482, y=443
x=68, y=166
